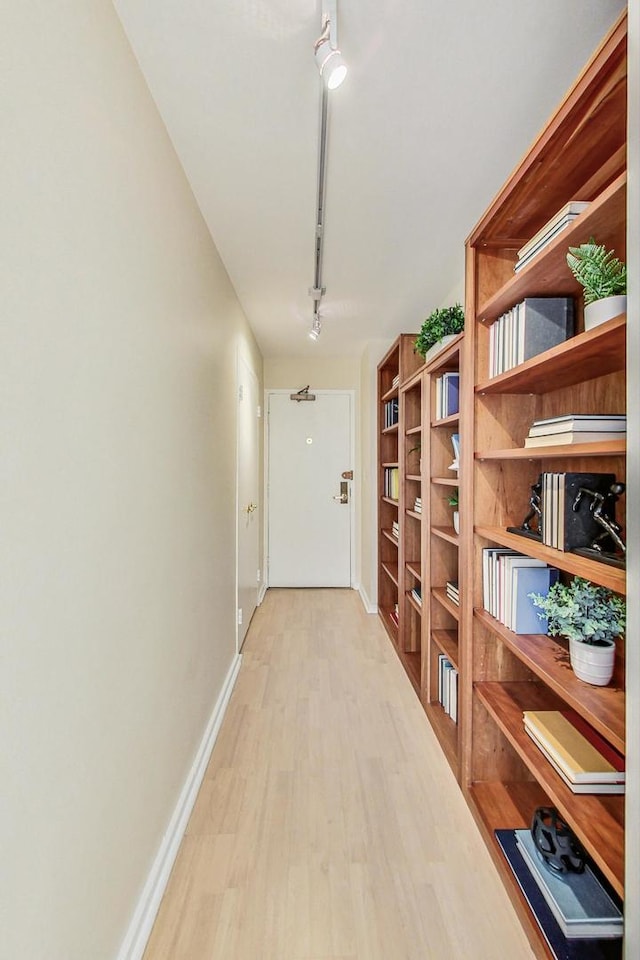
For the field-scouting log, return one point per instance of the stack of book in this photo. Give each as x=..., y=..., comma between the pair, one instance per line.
x=391, y=413
x=395, y=529
x=416, y=593
x=576, y=428
x=448, y=687
x=584, y=759
x=391, y=482
x=551, y=229
x=508, y=577
x=568, y=519
x=578, y=913
x=527, y=329
x=452, y=592
x=417, y=506
x=396, y=381
x=394, y=614
x=447, y=395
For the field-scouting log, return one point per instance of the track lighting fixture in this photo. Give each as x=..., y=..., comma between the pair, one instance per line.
x=329, y=60
x=316, y=328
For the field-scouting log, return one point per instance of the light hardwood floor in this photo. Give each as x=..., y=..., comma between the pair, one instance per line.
x=329, y=825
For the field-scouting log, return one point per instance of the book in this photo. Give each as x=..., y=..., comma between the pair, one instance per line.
x=574, y=422
x=455, y=443
x=565, y=524
x=450, y=394
x=561, y=947
x=579, y=901
x=609, y=786
x=581, y=436
x=577, y=754
x=568, y=212
x=527, y=580
x=543, y=322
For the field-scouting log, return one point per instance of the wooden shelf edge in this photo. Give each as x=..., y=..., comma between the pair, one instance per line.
x=602, y=573
x=389, y=536
x=414, y=603
x=451, y=421
x=601, y=448
x=413, y=567
x=391, y=570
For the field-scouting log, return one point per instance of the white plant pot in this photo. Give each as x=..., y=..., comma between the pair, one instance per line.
x=437, y=347
x=602, y=310
x=456, y=521
x=593, y=664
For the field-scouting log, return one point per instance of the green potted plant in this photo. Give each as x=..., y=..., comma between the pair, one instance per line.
x=440, y=327
x=603, y=278
x=453, y=501
x=591, y=617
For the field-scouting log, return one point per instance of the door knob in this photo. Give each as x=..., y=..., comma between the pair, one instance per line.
x=343, y=496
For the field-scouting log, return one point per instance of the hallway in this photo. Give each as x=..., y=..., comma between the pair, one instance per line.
x=329, y=825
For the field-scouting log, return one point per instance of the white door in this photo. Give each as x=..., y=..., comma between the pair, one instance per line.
x=248, y=480
x=309, y=526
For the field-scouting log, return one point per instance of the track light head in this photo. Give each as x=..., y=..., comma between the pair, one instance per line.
x=314, y=333
x=330, y=63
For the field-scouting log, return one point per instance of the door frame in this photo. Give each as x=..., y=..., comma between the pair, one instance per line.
x=352, y=484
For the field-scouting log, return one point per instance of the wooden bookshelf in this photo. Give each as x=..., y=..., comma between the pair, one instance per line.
x=579, y=155
x=399, y=617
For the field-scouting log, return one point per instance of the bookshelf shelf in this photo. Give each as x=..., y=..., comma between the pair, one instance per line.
x=414, y=569
x=391, y=570
x=446, y=481
x=445, y=533
x=612, y=577
x=548, y=659
x=446, y=731
x=601, y=448
x=547, y=274
x=440, y=594
x=596, y=819
x=414, y=603
x=451, y=421
x=447, y=642
x=584, y=357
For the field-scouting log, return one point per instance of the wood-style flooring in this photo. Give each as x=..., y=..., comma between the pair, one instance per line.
x=329, y=825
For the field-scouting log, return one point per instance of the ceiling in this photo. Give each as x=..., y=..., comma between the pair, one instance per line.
x=440, y=102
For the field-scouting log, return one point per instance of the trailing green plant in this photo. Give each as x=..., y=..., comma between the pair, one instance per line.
x=582, y=611
x=442, y=322
x=453, y=498
x=599, y=272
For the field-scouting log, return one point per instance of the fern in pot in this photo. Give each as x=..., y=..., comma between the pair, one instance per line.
x=604, y=280
x=591, y=617
x=440, y=327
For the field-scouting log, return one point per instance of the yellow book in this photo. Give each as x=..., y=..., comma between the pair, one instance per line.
x=576, y=755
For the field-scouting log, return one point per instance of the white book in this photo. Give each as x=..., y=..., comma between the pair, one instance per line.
x=571, y=209
x=578, y=436
x=579, y=421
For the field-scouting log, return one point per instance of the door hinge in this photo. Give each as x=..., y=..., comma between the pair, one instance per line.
x=258, y=576
x=241, y=392
x=259, y=412
x=239, y=616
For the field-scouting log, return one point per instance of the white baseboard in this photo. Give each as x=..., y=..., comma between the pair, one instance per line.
x=261, y=593
x=369, y=607
x=137, y=935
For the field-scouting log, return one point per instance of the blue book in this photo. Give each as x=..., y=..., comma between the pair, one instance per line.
x=560, y=946
x=526, y=580
x=450, y=390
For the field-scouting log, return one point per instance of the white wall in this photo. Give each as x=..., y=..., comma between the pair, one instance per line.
x=119, y=334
